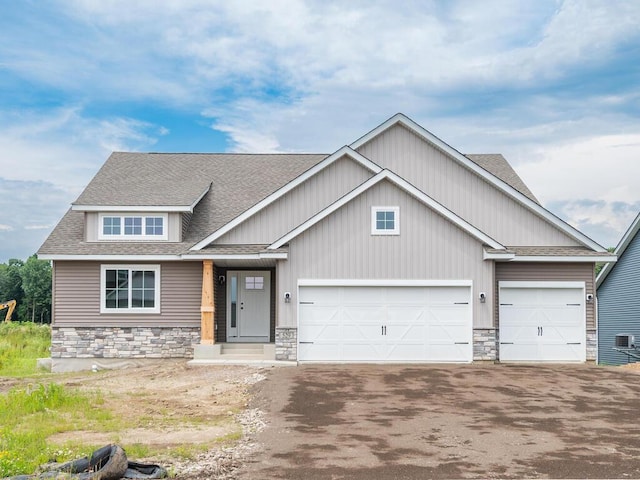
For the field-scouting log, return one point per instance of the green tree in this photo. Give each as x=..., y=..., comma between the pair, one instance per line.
x=11, y=284
x=600, y=265
x=36, y=283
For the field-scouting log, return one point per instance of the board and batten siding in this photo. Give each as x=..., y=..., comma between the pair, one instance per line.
x=298, y=205
x=461, y=190
x=76, y=289
x=549, y=272
x=341, y=246
x=619, y=305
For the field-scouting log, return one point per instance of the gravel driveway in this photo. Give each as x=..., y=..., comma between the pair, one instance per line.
x=466, y=421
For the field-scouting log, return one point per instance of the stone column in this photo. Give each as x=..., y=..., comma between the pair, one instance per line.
x=207, y=307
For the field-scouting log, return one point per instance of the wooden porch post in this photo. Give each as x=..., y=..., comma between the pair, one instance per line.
x=207, y=307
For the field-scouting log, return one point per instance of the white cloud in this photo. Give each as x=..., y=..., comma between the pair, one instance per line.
x=38, y=227
x=5, y=228
x=63, y=146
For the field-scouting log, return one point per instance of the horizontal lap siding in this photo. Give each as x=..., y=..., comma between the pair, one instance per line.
x=77, y=296
x=549, y=272
x=461, y=190
x=619, y=305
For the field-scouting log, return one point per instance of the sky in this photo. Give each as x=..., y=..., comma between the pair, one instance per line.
x=552, y=85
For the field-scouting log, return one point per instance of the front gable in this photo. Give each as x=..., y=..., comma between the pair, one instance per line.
x=464, y=187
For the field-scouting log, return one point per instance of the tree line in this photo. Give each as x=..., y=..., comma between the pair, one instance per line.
x=29, y=284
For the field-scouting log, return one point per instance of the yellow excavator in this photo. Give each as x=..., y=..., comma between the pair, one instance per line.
x=11, y=305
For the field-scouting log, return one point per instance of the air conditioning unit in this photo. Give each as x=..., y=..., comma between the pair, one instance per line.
x=625, y=341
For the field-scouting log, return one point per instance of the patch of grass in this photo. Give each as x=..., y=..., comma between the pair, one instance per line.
x=29, y=415
x=21, y=344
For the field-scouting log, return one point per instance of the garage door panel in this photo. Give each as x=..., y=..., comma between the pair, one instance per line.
x=448, y=333
x=540, y=323
x=449, y=314
x=394, y=323
x=404, y=334
x=404, y=314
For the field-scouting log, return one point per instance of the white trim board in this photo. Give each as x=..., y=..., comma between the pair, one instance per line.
x=141, y=208
x=365, y=162
x=541, y=284
x=116, y=258
x=400, y=119
x=350, y=282
x=565, y=258
x=400, y=182
x=132, y=208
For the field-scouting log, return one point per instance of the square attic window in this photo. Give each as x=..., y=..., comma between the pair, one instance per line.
x=385, y=220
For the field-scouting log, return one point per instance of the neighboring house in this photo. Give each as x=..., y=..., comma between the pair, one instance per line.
x=618, y=287
x=396, y=248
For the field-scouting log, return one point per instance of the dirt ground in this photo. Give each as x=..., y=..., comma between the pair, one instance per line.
x=169, y=406
x=375, y=421
x=467, y=421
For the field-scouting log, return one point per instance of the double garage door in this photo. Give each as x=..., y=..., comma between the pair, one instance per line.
x=389, y=323
x=542, y=321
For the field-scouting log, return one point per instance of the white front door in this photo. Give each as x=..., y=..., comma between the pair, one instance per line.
x=248, y=306
x=542, y=321
x=385, y=323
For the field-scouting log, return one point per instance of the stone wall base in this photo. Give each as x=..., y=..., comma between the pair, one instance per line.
x=485, y=344
x=123, y=342
x=592, y=345
x=287, y=344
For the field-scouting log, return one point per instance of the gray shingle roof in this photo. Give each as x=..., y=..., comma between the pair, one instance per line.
x=179, y=179
x=238, y=181
x=498, y=165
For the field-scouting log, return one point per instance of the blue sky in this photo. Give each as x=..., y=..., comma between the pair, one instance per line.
x=553, y=85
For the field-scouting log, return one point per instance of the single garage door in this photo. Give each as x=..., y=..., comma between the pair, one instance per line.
x=542, y=321
x=387, y=323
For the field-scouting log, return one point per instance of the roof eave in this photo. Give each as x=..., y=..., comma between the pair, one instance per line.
x=135, y=208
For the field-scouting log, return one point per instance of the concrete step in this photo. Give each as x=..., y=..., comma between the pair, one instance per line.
x=235, y=352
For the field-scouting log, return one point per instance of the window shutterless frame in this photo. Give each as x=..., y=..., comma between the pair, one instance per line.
x=385, y=220
x=133, y=226
x=129, y=289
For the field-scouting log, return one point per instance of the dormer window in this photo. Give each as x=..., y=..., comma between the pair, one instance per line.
x=133, y=227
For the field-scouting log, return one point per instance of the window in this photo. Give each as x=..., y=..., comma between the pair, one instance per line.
x=130, y=289
x=111, y=225
x=133, y=227
x=385, y=220
x=254, y=283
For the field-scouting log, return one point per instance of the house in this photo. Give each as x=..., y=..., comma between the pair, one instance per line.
x=618, y=293
x=395, y=248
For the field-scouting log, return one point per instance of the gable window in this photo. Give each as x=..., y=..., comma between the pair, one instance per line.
x=385, y=220
x=133, y=227
x=130, y=289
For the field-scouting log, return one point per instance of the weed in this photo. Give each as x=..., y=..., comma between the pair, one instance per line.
x=21, y=344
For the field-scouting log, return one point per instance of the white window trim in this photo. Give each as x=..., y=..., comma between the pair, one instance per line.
x=139, y=310
x=143, y=215
x=395, y=210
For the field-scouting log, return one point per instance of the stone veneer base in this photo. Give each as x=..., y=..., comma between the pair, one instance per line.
x=123, y=342
x=485, y=344
x=287, y=344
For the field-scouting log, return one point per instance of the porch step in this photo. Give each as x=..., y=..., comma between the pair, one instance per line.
x=235, y=352
x=241, y=349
